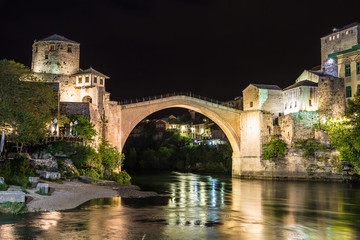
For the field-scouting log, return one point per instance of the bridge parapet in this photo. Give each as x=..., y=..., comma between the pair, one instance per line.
x=167, y=96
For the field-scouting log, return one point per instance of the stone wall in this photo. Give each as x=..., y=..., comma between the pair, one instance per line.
x=297, y=126
x=331, y=97
x=294, y=166
x=78, y=108
x=59, y=61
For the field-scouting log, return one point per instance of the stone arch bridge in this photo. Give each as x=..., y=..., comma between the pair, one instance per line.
x=242, y=128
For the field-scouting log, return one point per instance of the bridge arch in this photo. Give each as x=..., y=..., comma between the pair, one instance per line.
x=228, y=119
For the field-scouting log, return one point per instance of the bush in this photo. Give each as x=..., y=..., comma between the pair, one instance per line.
x=310, y=147
x=17, y=171
x=274, y=148
x=91, y=172
x=123, y=177
x=13, y=208
x=3, y=187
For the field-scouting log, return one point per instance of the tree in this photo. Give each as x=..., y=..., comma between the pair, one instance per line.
x=26, y=104
x=85, y=129
x=345, y=134
x=111, y=158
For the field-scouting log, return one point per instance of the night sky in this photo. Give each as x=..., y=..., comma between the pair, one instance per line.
x=214, y=48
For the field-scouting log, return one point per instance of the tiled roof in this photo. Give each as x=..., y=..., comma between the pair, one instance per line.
x=93, y=71
x=56, y=37
x=266, y=86
x=319, y=73
x=302, y=83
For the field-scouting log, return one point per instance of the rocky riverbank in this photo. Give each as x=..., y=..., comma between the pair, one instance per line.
x=68, y=195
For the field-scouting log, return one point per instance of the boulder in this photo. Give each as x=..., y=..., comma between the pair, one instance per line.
x=86, y=179
x=60, y=154
x=33, y=181
x=12, y=196
x=49, y=175
x=45, y=163
x=2, y=181
x=43, y=188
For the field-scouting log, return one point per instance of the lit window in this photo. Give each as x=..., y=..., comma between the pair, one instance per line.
x=348, y=91
x=86, y=79
x=101, y=81
x=338, y=35
x=310, y=104
x=52, y=47
x=69, y=49
x=46, y=56
x=251, y=104
x=80, y=79
x=347, y=32
x=347, y=70
x=333, y=37
x=358, y=67
x=329, y=38
x=95, y=79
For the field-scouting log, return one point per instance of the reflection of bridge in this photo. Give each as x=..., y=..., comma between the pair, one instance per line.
x=236, y=124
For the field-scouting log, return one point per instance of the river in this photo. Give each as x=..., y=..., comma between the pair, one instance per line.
x=204, y=207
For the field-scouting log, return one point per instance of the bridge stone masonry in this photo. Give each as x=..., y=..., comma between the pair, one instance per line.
x=242, y=128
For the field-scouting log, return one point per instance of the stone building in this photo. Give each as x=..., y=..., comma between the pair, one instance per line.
x=301, y=96
x=339, y=40
x=266, y=98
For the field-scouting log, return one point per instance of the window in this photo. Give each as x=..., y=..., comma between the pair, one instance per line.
x=358, y=67
x=290, y=105
x=52, y=47
x=329, y=38
x=80, y=79
x=348, y=91
x=347, y=70
x=285, y=106
x=337, y=36
x=295, y=104
x=86, y=79
x=310, y=103
x=333, y=37
x=101, y=81
x=95, y=79
x=46, y=56
x=251, y=104
x=69, y=49
x=358, y=89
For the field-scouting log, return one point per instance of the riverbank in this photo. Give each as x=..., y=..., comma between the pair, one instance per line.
x=68, y=195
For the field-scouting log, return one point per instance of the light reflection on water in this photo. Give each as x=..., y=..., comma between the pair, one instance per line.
x=204, y=207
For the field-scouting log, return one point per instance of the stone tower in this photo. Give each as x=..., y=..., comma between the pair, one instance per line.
x=339, y=40
x=56, y=55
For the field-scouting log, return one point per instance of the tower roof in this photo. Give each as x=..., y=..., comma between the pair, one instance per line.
x=56, y=37
x=93, y=71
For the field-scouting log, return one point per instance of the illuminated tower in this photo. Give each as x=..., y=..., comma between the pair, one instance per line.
x=55, y=55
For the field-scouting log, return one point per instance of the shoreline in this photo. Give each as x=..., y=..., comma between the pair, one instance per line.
x=69, y=195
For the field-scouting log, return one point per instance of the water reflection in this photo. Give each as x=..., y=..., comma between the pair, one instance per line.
x=204, y=207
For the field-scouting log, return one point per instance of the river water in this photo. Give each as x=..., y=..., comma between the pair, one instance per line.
x=204, y=207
